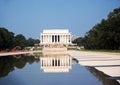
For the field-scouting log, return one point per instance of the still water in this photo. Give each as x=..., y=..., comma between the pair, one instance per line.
x=48, y=70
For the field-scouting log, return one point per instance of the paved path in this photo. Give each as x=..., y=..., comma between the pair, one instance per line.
x=109, y=63
x=16, y=53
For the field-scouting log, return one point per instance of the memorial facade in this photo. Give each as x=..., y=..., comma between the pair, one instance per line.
x=62, y=36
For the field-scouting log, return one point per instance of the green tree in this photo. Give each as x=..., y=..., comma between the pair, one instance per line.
x=106, y=34
x=20, y=40
x=79, y=41
x=9, y=41
x=6, y=39
x=32, y=42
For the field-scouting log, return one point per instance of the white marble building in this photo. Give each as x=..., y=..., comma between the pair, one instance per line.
x=51, y=36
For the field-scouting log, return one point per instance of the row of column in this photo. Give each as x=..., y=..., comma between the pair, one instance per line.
x=51, y=62
x=55, y=38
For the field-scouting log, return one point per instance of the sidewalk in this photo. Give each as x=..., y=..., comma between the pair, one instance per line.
x=17, y=53
x=109, y=63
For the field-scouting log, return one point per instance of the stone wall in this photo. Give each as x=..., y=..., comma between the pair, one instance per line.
x=54, y=49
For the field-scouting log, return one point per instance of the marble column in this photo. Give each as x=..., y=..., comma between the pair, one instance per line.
x=60, y=38
x=66, y=38
x=57, y=39
x=43, y=38
x=70, y=38
x=46, y=38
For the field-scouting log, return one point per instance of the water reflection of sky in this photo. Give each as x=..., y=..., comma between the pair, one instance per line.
x=32, y=74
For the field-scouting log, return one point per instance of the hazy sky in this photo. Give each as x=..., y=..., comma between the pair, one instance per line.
x=30, y=17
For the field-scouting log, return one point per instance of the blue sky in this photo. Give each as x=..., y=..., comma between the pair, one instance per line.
x=30, y=17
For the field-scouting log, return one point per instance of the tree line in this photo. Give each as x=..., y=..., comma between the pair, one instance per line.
x=8, y=40
x=104, y=35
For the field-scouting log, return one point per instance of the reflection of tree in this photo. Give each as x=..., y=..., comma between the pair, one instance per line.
x=6, y=66
x=105, y=79
x=8, y=63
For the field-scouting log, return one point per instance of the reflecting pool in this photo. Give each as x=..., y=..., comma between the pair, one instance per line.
x=48, y=70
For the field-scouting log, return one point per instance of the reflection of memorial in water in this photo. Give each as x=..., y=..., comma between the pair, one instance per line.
x=56, y=63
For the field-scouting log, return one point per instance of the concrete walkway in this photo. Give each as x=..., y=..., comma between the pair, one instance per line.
x=108, y=63
x=17, y=53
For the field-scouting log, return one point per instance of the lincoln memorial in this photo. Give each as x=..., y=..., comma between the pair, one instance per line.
x=60, y=36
